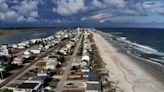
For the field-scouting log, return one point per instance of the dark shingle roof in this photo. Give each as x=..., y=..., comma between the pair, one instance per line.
x=39, y=78
x=91, y=86
x=92, y=76
x=27, y=85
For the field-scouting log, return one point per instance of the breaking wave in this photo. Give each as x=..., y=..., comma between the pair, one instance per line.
x=138, y=50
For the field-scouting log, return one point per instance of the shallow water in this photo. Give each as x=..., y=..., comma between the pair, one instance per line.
x=26, y=35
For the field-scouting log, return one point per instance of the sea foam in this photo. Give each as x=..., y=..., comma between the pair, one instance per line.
x=141, y=51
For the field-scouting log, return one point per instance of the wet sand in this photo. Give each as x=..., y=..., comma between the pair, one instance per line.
x=132, y=74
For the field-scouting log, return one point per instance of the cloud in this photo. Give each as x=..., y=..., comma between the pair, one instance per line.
x=15, y=1
x=34, y=14
x=154, y=7
x=97, y=3
x=97, y=17
x=61, y=21
x=6, y=13
x=3, y=5
x=72, y=7
x=117, y=3
x=21, y=18
x=2, y=16
x=11, y=14
x=28, y=8
x=69, y=7
x=134, y=19
x=77, y=11
x=31, y=19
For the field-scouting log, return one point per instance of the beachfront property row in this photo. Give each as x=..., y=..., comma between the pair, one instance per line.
x=83, y=78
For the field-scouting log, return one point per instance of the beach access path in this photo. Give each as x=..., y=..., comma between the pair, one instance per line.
x=131, y=76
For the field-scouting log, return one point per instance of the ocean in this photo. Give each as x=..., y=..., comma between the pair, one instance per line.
x=145, y=43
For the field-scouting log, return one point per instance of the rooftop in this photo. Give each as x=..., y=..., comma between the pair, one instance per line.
x=93, y=87
x=92, y=76
x=28, y=85
x=39, y=78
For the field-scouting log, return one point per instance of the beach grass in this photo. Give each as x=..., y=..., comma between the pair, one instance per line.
x=7, y=32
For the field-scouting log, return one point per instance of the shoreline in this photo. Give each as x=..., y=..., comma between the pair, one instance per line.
x=142, y=62
x=132, y=74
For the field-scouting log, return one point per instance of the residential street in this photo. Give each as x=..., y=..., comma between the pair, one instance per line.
x=22, y=71
x=67, y=70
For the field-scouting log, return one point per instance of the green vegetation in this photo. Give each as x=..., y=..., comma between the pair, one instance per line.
x=80, y=51
x=95, y=55
x=7, y=32
x=98, y=64
x=49, y=91
x=1, y=33
x=8, y=90
x=41, y=64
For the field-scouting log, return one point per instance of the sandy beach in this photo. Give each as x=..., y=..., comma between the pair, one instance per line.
x=132, y=75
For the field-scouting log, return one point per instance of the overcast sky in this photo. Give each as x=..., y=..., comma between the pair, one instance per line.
x=80, y=12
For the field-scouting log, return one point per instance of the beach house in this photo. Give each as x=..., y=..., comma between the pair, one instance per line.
x=85, y=58
x=4, y=50
x=92, y=81
x=35, y=51
x=27, y=54
x=2, y=61
x=19, y=60
x=29, y=86
x=51, y=62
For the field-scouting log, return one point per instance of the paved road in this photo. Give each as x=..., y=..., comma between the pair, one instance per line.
x=67, y=70
x=39, y=57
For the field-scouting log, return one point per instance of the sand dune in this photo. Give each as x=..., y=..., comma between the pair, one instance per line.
x=131, y=76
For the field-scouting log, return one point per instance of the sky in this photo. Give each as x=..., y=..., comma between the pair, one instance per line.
x=95, y=13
